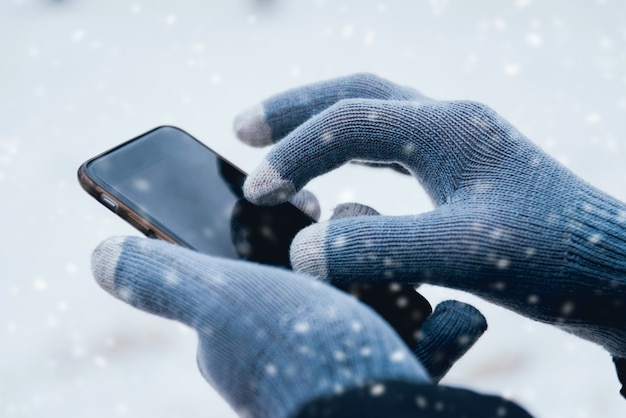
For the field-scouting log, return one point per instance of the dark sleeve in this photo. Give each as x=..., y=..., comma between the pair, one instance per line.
x=398, y=399
x=620, y=368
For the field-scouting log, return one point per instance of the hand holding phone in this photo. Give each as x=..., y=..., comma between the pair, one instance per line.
x=262, y=327
x=170, y=186
x=272, y=341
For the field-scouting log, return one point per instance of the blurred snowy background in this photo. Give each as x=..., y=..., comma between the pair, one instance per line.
x=79, y=76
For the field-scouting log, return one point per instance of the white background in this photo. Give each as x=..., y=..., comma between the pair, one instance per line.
x=80, y=76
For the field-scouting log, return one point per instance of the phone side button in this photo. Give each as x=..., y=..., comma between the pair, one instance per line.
x=108, y=202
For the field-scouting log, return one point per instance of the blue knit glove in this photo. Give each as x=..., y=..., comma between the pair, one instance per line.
x=444, y=335
x=510, y=223
x=270, y=340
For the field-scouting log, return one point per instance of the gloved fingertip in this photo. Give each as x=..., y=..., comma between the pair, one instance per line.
x=447, y=334
x=346, y=210
x=308, y=253
x=307, y=203
x=251, y=128
x=463, y=312
x=265, y=186
x=154, y=276
x=104, y=262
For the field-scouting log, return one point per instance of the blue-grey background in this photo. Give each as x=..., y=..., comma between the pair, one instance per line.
x=79, y=76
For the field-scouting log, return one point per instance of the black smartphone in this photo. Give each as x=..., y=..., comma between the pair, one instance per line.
x=171, y=186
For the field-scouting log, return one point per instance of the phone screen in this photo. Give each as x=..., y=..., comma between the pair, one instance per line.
x=184, y=189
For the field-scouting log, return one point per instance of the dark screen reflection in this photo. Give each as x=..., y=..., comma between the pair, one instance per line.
x=261, y=233
x=264, y=234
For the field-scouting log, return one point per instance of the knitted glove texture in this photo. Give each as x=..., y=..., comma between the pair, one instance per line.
x=271, y=340
x=510, y=223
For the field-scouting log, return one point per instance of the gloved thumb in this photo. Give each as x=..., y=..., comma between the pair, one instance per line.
x=446, y=335
x=347, y=210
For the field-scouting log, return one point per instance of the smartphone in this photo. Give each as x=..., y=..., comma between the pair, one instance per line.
x=171, y=186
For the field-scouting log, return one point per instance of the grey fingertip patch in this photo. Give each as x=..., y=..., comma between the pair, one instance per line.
x=251, y=128
x=265, y=186
x=308, y=254
x=104, y=262
x=307, y=203
x=347, y=210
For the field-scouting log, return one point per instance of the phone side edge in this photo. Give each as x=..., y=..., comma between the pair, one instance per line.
x=122, y=210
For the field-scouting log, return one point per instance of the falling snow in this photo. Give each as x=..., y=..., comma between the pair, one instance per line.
x=68, y=94
x=398, y=356
x=327, y=136
x=171, y=278
x=377, y=389
x=141, y=184
x=301, y=327
x=366, y=351
x=339, y=355
x=567, y=308
x=511, y=69
x=402, y=302
x=125, y=294
x=271, y=369
x=40, y=284
x=503, y=263
x=532, y=299
x=340, y=242
x=594, y=239
x=530, y=251
x=534, y=39
x=421, y=402
x=71, y=268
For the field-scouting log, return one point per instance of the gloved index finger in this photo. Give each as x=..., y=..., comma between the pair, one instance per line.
x=274, y=118
x=354, y=129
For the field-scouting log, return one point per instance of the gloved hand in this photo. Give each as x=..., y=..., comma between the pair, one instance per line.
x=438, y=339
x=510, y=223
x=275, y=343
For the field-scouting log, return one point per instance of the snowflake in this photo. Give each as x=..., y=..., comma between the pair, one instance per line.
x=366, y=351
x=301, y=327
x=40, y=284
x=397, y=356
x=377, y=389
x=271, y=369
